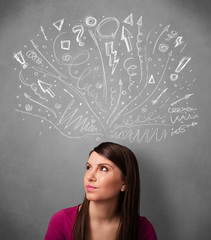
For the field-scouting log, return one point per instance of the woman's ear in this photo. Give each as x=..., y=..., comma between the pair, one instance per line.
x=124, y=184
x=123, y=188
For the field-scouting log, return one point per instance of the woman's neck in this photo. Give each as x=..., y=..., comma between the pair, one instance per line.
x=103, y=211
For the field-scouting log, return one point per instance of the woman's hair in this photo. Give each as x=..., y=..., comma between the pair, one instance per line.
x=129, y=200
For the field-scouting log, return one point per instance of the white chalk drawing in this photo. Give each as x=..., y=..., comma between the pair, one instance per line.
x=20, y=58
x=113, y=61
x=80, y=30
x=183, y=62
x=90, y=21
x=129, y=20
x=43, y=32
x=178, y=41
x=108, y=78
x=65, y=44
x=126, y=36
x=106, y=29
x=58, y=24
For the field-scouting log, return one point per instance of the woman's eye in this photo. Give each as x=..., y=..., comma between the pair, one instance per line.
x=104, y=169
x=87, y=167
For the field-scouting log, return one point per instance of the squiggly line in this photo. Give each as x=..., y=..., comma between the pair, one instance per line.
x=182, y=109
x=128, y=70
x=111, y=96
x=85, y=73
x=31, y=54
x=182, y=129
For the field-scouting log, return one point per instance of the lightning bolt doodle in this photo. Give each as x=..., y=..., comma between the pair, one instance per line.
x=113, y=61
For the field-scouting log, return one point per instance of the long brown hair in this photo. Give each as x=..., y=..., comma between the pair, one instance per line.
x=129, y=200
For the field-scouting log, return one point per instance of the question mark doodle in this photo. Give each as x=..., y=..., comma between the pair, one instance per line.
x=80, y=30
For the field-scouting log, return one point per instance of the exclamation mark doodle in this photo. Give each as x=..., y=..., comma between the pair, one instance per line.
x=19, y=57
x=183, y=62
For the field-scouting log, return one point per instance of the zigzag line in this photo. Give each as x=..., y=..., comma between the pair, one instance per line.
x=183, y=117
x=79, y=121
x=138, y=136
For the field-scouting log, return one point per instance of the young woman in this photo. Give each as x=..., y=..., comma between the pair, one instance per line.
x=110, y=210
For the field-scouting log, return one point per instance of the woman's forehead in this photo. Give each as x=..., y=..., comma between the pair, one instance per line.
x=96, y=158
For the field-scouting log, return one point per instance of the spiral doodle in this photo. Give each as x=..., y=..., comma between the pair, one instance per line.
x=31, y=54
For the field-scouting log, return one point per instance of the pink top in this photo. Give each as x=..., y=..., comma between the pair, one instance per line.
x=60, y=226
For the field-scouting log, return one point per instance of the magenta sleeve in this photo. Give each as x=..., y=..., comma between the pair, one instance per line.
x=151, y=235
x=147, y=231
x=55, y=229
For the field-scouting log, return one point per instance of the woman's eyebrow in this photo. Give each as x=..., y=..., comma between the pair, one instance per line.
x=100, y=164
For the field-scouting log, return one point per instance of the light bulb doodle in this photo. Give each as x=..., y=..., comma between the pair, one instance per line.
x=108, y=77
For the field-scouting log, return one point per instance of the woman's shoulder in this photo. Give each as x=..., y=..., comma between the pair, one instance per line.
x=71, y=210
x=61, y=224
x=147, y=230
x=66, y=213
x=144, y=220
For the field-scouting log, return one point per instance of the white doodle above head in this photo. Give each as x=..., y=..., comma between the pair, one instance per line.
x=108, y=77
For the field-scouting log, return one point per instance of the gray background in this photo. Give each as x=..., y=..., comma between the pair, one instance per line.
x=41, y=174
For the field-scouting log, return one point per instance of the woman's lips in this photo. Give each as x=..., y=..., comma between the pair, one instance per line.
x=90, y=188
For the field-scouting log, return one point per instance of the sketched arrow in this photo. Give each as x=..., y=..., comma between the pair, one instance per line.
x=126, y=36
x=184, y=98
x=139, y=22
x=164, y=30
x=46, y=88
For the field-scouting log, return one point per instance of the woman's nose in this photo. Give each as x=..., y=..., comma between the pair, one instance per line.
x=92, y=176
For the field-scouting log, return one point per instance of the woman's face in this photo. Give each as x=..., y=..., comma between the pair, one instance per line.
x=103, y=180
